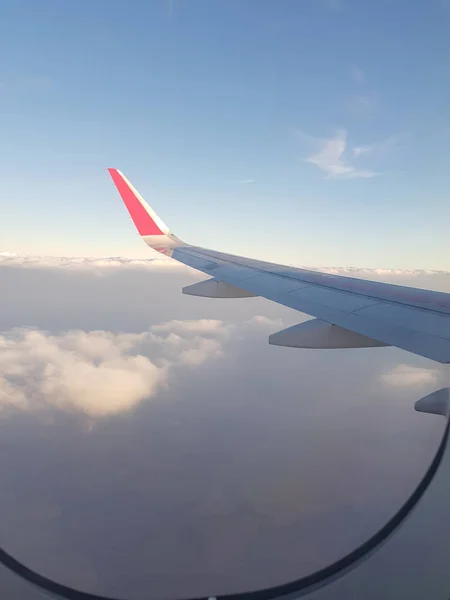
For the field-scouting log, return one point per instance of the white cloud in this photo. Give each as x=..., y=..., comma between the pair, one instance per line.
x=205, y=349
x=367, y=272
x=194, y=327
x=359, y=150
x=205, y=336
x=380, y=147
x=262, y=321
x=99, y=373
x=9, y=259
x=246, y=181
x=402, y=376
x=332, y=160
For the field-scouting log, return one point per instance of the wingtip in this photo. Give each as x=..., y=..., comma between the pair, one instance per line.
x=146, y=221
x=113, y=171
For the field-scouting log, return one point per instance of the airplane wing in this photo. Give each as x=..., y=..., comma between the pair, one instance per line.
x=350, y=312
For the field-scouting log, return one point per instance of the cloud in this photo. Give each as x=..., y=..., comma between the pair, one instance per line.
x=403, y=376
x=364, y=104
x=246, y=181
x=260, y=454
x=359, y=150
x=331, y=159
x=384, y=146
x=10, y=259
x=194, y=327
x=203, y=332
x=358, y=75
x=370, y=272
x=101, y=373
x=204, y=350
x=98, y=372
x=364, y=101
x=263, y=321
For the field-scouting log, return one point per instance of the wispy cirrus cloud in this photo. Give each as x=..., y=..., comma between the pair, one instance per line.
x=384, y=146
x=364, y=104
x=364, y=100
x=336, y=157
x=333, y=159
x=246, y=181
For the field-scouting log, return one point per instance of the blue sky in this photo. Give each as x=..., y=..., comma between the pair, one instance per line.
x=311, y=132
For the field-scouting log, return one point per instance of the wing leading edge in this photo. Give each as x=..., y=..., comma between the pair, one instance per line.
x=350, y=312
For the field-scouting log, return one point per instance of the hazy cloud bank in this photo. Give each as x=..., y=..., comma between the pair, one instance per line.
x=9, y=259
x=220, y=463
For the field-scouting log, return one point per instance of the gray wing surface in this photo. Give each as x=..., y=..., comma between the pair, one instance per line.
x=412, y=319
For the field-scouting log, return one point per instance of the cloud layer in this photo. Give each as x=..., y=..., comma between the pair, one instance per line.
x=134, y=417
x=10, y=259
x=99, y=265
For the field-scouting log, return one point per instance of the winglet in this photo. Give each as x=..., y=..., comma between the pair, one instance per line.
x=146, y=221
x=150, y=227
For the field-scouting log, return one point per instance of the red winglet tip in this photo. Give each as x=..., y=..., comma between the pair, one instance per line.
x=145, y=224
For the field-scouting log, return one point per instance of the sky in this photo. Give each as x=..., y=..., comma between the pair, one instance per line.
x=311, y=132
x=154, y=445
